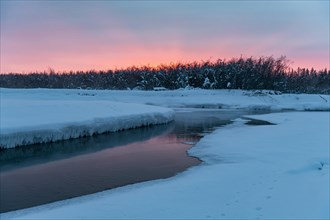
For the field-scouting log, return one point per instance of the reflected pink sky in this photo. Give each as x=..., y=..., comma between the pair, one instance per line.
x=101, y=35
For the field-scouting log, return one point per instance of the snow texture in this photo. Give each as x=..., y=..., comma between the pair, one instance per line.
x=32, y=119
x=194, y=98
x=269, y=172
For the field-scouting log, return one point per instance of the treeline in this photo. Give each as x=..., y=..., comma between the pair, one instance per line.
x=242, y=73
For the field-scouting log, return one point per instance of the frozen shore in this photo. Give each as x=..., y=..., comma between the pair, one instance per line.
x=30, y=120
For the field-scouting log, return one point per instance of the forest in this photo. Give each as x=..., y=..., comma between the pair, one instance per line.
x=251, y=73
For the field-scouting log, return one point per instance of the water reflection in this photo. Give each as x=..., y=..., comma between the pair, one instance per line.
x=40, y=153
x=158, y=157
x=45, y=173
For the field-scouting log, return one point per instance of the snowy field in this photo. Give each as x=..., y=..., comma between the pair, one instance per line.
x=29, y=118
x=41, y=115
x=269, y=172
x=273, y=171
x=196, y=98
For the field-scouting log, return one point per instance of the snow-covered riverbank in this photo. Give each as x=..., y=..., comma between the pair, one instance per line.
x=41, y=115
x=29, y=118
x=274, y=171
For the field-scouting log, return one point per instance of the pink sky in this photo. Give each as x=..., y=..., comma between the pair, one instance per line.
x=64, y=36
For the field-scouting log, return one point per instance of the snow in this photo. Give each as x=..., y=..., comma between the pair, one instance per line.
x=276, y=171
x=194, y=98
x=31, y=119
x=31, y=116
x=270, y=172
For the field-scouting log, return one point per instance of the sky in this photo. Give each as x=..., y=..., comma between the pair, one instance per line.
x=101, y=35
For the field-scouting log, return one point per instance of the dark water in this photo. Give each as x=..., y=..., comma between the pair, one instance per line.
x=45, y=173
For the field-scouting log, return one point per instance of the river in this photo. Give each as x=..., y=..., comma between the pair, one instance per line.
x=43, y=173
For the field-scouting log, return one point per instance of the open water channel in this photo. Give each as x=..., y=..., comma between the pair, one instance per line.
x=44, y=173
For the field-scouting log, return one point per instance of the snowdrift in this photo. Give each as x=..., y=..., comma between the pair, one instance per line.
x=25, y=122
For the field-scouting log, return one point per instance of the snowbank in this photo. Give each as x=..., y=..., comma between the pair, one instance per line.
x=270, y=172
x=29, y=120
